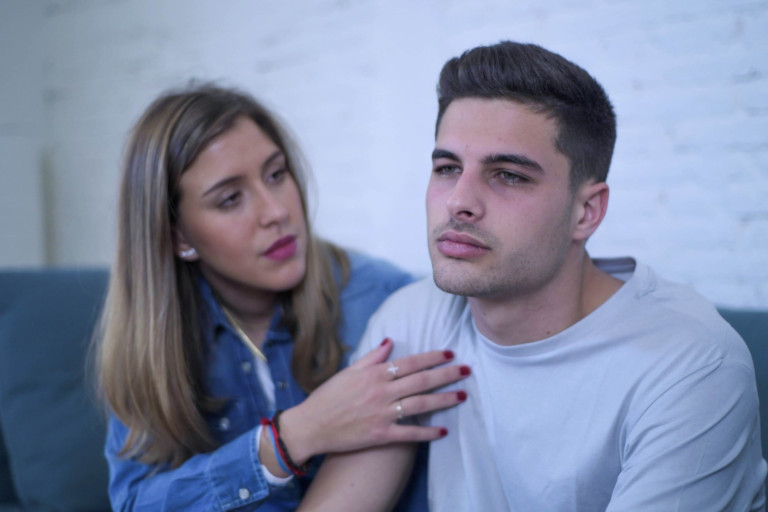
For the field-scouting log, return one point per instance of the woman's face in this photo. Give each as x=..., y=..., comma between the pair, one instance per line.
x=241, y=211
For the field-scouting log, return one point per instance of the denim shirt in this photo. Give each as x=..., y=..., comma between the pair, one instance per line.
x=230, y=477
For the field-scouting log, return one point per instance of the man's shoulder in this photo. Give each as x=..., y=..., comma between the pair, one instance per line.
x=681, y=317
x=418, y=317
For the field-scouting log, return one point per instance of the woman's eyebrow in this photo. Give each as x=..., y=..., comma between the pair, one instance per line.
x=222, y=183
x=231, y=179
x=271, y=158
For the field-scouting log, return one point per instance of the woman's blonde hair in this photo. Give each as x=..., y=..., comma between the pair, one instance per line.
x=150, y=349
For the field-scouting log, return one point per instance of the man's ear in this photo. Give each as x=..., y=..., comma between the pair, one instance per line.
x=181, y=247
x=590, y=204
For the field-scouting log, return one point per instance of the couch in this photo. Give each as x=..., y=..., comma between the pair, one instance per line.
x=51, y=426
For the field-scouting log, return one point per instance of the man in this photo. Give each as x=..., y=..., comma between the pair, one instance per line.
x=596, y=385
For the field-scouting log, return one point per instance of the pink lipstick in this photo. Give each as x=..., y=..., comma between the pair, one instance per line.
x=282, y=249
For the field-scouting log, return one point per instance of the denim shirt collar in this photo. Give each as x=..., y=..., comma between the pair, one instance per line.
x=214, y=319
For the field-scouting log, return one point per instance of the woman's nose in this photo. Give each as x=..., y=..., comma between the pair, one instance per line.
x=271, y=209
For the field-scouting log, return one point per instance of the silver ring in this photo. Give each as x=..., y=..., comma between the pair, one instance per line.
x=400, y=410
x=393, y=369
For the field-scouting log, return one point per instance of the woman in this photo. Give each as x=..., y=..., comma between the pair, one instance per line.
x=223, y=310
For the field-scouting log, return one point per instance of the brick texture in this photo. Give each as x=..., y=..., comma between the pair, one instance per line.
x=355, y=81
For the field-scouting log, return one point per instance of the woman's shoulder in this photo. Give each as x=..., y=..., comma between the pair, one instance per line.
x=371, y=281
x=369, y=274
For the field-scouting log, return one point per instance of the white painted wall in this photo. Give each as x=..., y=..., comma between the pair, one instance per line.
x=22, y=220
x=355, y=80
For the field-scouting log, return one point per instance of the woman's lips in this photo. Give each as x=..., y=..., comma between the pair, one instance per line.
x=459, y=245
x=282, y=249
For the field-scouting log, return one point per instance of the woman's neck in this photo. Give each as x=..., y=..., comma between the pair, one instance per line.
x=250, y=309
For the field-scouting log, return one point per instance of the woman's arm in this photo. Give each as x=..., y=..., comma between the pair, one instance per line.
x=225, y=479
x=355, y=409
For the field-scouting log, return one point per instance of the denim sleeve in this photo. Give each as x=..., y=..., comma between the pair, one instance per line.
x=371, y=281
x=226, y=479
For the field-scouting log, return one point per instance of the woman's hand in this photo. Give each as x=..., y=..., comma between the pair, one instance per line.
x=360, y=406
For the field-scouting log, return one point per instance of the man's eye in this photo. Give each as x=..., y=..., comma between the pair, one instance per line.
x=511, y=177
x=446, y=170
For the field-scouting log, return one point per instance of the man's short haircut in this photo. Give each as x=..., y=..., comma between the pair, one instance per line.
x=547, y=83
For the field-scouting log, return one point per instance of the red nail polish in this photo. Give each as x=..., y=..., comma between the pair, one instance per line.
x=448, y=354
x=464, y=371
x=386, y=340
x=461, y=395
x=443, y=432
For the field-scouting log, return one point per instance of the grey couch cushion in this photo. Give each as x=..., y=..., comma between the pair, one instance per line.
x=54, y=431
x=753, y=327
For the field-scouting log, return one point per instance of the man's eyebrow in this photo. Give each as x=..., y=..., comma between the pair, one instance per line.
x=443, y=153
x=521, y=160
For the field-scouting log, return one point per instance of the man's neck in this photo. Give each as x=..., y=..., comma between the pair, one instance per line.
x=574, y=293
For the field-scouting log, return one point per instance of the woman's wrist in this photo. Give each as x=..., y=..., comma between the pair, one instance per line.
x=297, y=436
x=268, y=454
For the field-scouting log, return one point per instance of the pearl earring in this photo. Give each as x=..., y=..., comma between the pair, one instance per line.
x=188, y=253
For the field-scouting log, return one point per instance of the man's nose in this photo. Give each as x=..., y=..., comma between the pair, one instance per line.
x=465, y=202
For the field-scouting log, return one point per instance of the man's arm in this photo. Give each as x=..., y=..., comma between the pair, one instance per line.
x=362, y=481
x=696, y=447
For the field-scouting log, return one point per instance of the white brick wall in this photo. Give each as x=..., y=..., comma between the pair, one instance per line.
x=355, y=80
x=22, y=223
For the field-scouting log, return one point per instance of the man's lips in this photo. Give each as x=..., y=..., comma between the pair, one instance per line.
x=282, y=249
x=460, y=245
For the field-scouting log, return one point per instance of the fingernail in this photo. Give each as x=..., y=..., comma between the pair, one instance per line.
x=386, y=340
x=448, y=354
x=461, y=395
x=443, y=432
x=464, y=371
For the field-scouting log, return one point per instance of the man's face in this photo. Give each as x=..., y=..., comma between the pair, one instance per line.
x=499, y=204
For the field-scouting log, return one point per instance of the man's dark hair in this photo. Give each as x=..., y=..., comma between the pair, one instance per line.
x=547, y=83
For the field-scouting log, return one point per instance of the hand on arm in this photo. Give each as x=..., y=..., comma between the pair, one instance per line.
x=358, y=407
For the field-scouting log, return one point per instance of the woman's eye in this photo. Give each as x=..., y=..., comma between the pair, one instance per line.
x=230, y=201
x=278, y=175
